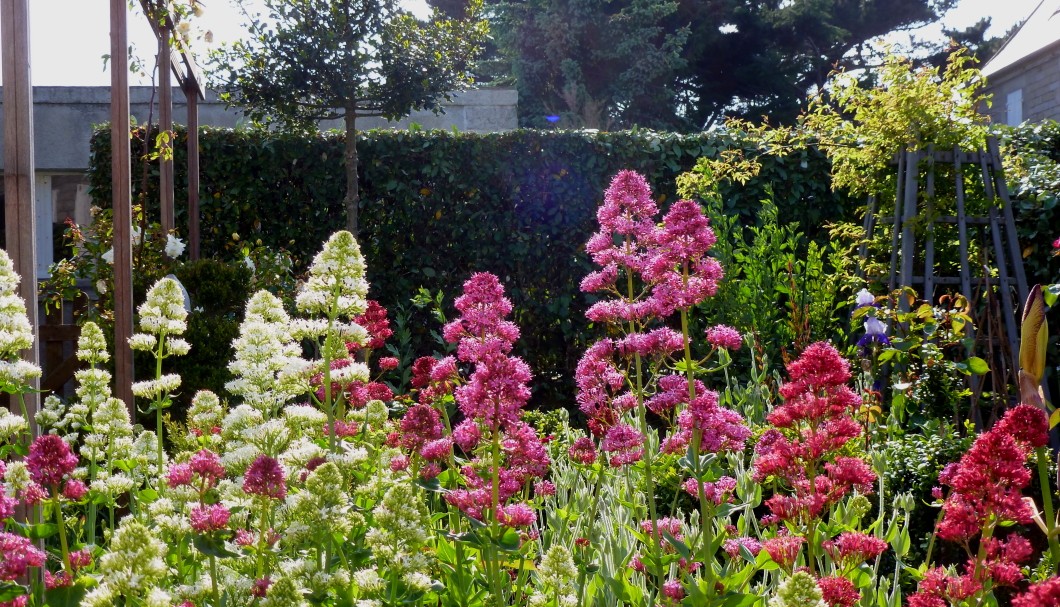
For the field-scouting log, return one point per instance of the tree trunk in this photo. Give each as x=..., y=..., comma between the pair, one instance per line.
x=353, y=195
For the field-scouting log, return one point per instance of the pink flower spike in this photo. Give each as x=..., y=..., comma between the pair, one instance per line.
x=205, y=519
x=724, y=336
x=74, y=490
x=265, y=477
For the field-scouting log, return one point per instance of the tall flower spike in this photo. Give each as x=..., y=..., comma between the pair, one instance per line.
x=336, y=286
x=15, y=332
x=92, y=345
x=163, y=313
x=265, y=351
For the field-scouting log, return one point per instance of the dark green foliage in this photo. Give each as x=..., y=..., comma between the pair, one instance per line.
x=438, y=206
x=1036, y=184
x=219, y=291
x=593, y=63
x=914, y=462
x=687, y=63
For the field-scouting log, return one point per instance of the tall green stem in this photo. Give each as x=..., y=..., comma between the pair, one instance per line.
x=62, y=530
x=1047, y=505
x=706, y=534
x=213, y=582
x=158, y=407
x=649, y=482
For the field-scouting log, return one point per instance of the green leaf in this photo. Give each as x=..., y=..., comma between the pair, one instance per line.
x=10, y=591
x=210, y=545
x=978, y=366
x=41, y=531
x=68, y=596
x=737, y=599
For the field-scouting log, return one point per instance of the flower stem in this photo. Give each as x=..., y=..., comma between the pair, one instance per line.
x=62, y=530
x=1047, y=505
x=213, y=581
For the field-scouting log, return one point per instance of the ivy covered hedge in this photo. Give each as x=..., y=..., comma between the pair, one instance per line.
x=437, y=206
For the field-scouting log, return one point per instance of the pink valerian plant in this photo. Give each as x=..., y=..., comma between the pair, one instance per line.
x=724, y=336
x=206, y=519
x=1047, y=592
x=838, y=591
x=988, y=480
x=681, y=273
x=491, y=400
x=17, y=554
x=986, y=493
x=265, y=477
x=817, y=415
x=375, y=321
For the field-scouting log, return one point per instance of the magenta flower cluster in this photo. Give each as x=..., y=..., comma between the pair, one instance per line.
x=802, y=451
x=647, y=273
x=986, y=493
x=491, y=401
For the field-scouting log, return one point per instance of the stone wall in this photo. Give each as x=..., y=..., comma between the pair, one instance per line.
x=64, y=118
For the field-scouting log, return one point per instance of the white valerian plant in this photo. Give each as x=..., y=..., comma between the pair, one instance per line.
x=334, y=294
x=163, y=319
x=268, y=368
x=16, y=334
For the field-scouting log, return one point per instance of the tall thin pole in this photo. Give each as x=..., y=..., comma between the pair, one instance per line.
x=121, y=186
x=191, y=93
x=165, y=120
x=19, y=176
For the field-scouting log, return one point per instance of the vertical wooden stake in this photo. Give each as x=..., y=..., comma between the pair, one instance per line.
x=165, y=126
x=191, y=93
x=121, y=185
x=19, y=169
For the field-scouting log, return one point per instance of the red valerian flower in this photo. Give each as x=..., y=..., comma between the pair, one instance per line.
x=265, y=477
x=50, y=460
x=1043, y=594
x=838, y=591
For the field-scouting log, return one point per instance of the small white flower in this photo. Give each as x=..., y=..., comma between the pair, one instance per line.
x=174, y=246
x=101, y=287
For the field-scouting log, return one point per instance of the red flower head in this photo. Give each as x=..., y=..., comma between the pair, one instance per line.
x=50, y=460
x=265, y=477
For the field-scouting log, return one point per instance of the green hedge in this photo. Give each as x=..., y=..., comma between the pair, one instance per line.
x=437, y=206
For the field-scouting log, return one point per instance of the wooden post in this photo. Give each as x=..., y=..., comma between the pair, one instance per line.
x=19, y=169
x=121, y=185
x=191, y=93
x=165, y=126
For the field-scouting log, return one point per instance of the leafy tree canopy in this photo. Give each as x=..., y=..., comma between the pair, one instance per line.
x=311, y=60
x=685, y=64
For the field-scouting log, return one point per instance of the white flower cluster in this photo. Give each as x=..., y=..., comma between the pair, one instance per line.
x=92, y=345
x=267, y=367
x=133, y=567
x=11, y=426
x=557, y=574
x=154, y=388
x=15, y=331
x=336, y=286
x=163, y=313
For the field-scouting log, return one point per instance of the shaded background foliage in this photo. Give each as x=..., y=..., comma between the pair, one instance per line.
x=438, y=206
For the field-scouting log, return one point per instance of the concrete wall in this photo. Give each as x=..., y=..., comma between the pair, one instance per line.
x=64, y=117
x=1038, y=78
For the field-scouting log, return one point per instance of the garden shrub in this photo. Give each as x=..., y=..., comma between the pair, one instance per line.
x=436, y=205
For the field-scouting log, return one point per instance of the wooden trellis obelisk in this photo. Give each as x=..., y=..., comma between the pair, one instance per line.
x=913, y=231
